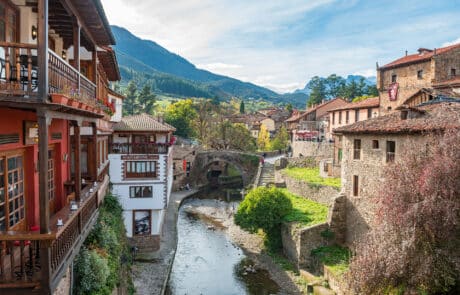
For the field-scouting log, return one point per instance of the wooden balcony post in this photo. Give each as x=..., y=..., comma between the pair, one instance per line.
x=77, y=144
x=96, y=152
x=43, y=123
x=42, y=51
x=76, y=48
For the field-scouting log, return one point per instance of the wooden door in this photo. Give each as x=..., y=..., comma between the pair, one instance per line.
x=51, y=181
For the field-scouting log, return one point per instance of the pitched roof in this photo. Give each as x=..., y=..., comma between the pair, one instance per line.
x=423, y=55
x=142, y=122
x=431, y=117
x=325, y=107
x=109, y=61
x=295, y=116
x=371, y=102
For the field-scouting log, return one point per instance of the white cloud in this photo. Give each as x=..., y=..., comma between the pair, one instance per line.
x=366, y=73
x=218, y=67
x=456, y=41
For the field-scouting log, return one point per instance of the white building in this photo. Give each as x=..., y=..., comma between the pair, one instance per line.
x=141, y=172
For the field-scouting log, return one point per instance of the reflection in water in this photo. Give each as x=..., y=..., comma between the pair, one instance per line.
x=207, y=262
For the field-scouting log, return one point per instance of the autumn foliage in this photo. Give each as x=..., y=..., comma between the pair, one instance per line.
x=415, y=246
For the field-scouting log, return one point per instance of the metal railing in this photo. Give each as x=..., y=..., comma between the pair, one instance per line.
x=139, y=148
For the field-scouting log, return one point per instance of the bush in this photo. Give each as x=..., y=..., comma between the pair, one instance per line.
x=91, y=271
x=264, y=208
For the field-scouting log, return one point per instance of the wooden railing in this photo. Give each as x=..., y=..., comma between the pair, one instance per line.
x=20, y=264
x=139, y=148
x=19, y=74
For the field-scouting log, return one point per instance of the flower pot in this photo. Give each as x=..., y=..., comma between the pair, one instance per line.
x=59, y=98
x=81, y=105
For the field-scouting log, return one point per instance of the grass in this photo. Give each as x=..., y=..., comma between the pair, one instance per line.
x=304, y=211
x=336, y=258
x=311, y=175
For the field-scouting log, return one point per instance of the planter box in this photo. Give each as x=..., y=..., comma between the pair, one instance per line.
x=59, y=98
x=73, y=103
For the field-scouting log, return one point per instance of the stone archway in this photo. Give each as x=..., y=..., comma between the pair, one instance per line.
x=246, y=163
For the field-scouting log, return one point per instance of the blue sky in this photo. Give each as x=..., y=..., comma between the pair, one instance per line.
x=281, y=44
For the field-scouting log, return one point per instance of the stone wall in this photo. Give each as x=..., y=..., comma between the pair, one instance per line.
x=63, y=288
x=369, y=170
x=337, y=218
x=321, y=150
x=299, y=242
x=318, y=193
x=145, y=243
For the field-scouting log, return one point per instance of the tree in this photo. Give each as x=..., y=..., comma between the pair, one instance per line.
x=242, y=107
x=204, y=110
x=414, y=247
x=180, y=115
x=147, y=99
x=335, y=85
x=281, y=140
x=263, y=140
x=318, y=91
x=130, y=103
x=289, y=108
x=264, y=208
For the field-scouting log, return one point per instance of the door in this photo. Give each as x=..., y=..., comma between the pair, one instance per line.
x=51, y=181
x=12, y=198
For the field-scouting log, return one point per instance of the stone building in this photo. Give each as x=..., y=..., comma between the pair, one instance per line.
x=141, y=173
x=183, y=157
x=370, y=146
x=400, y=79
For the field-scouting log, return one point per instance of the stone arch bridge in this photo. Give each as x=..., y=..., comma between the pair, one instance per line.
x=246, y=163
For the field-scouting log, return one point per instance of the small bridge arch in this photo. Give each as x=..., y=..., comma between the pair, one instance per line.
x=246, y=163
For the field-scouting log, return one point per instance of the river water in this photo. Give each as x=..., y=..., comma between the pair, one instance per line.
x=207, y=262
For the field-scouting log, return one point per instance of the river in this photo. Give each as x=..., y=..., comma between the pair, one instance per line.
x=207, y=262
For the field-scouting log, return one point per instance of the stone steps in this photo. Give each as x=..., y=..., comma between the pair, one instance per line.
x=267, y=175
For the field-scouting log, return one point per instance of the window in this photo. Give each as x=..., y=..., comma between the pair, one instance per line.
x=174, y=166
x=420, y=74
x=340, y=117
x=393, y=78
x=357, y=149
x=369, y=113
x=9, y=16
x=141, y=169
x=391, y=147
x=356, y=115
x=12, y=199
x=140, y=192
x=355, y=185
x=347, y=117
x=333, y=118
x=375, y=144
x=453, y=72
x=142, y=222
x=339, y=155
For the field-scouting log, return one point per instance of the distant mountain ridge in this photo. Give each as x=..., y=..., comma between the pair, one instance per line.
x=171, y=74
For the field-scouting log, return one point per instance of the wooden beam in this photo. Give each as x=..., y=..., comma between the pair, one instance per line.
x=42, y=51
x=68, y=5
x=77, y=155
x=43, y=124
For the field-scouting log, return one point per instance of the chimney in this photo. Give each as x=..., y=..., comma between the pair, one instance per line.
x=434, y=53
x=406, y=52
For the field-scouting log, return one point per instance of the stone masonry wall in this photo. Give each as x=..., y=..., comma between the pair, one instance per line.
x=321, y=194
x=370, y=172
x=321, y=150
x=145, y=243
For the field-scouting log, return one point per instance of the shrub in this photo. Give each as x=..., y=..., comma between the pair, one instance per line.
x=264, y=208
x=91, y=271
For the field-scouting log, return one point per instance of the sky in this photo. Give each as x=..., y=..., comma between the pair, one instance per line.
x=281, y=44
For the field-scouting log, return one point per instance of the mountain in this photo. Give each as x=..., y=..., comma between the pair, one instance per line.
x=171, y=74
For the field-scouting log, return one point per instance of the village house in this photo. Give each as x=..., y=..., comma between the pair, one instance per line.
x=55, y=66
x=370, y=146
x=141, y=171
x=183, y=157
x=399, y=80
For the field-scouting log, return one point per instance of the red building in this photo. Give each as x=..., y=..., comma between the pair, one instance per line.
x=55, y=65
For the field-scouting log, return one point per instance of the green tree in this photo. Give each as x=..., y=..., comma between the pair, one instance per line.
x=289, y=108
x=318, y=90
x=130, y=103
x=281, y=140
x=264, y=208
x=204, y=109
x=147, y=99
x=242, y=107
x=263, y=140
x=181, y=115
x=335, y=85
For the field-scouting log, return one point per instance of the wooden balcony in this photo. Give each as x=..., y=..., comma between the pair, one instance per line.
x=139, y=148
x=21, y=262
x=19, y=75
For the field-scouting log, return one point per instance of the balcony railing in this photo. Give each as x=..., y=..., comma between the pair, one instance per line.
x=139, y=148
x=19, y=73
x=20, y=264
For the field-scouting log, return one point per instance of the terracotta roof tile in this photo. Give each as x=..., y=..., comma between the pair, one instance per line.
x=371, y=102
x=142, y=122
x=431, y=117
x=418, y=57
